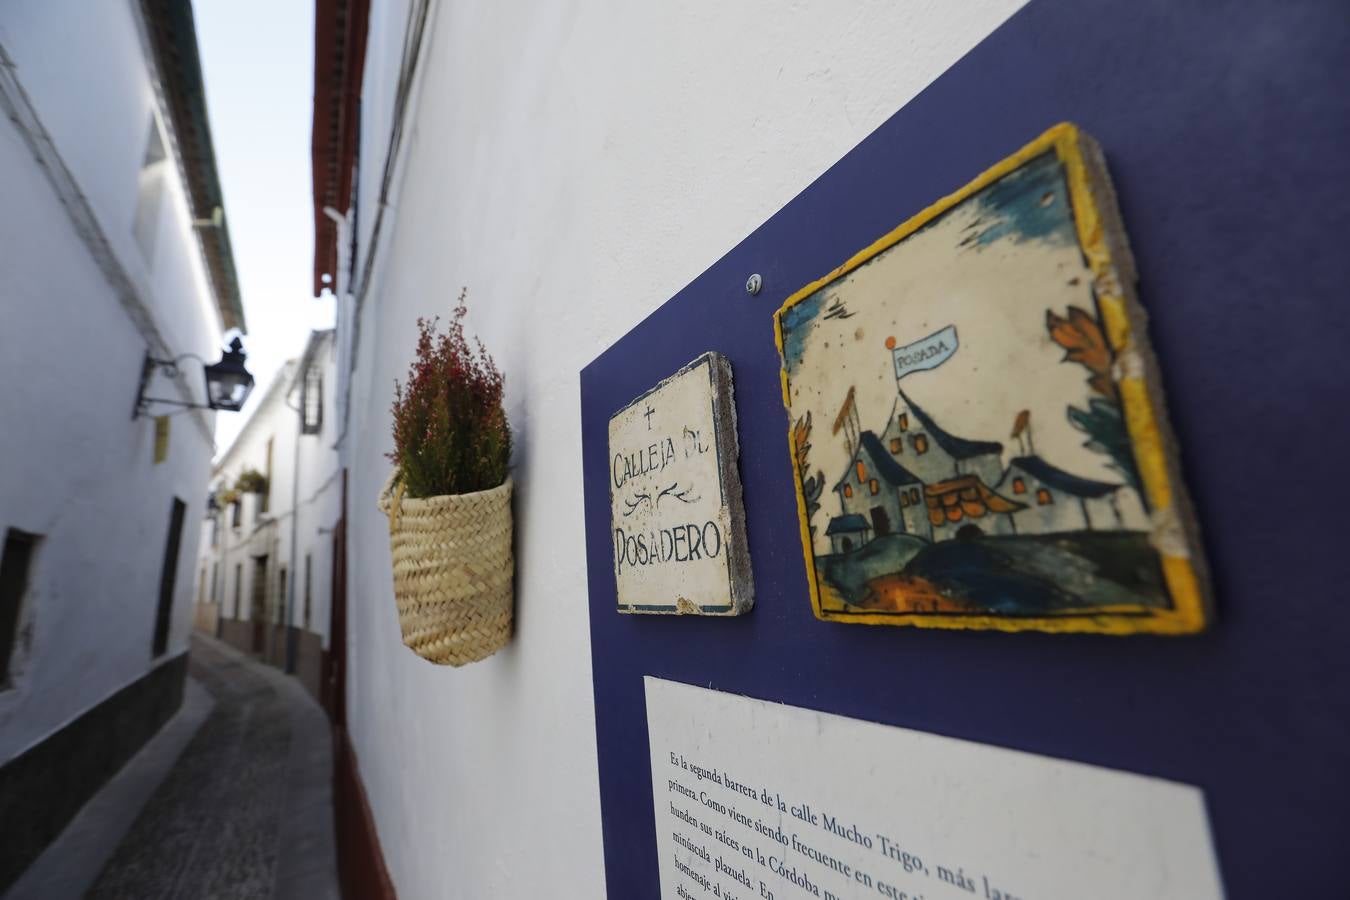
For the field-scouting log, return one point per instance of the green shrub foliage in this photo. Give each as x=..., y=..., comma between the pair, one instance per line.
x=450, y=430
x=251, y=481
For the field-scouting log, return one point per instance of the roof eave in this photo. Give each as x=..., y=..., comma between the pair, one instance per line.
x=171, y=39
x=339, y=61
x=955, y=447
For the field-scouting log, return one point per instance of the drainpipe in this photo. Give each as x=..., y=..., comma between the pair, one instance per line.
x=295, y=530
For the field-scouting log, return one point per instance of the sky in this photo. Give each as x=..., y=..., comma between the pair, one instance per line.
x=257, y=61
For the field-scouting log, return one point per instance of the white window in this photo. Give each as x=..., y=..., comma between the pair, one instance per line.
x=150, y=192
x=311, y=401
x=309, y=573
x=15, y=564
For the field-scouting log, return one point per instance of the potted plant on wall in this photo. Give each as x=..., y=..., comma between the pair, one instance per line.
x=229, y=499
x=449, y=500
x=251, y=481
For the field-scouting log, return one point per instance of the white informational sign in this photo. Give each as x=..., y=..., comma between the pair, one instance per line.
x=761, y=800
x=677, y=521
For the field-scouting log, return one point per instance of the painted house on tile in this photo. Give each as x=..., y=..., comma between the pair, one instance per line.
x=847, y=533
x=1055, y=500
x=934, y=454
x=880, y=492
x=919, y=479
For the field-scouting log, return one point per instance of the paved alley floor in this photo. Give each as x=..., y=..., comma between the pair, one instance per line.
x=245, y=811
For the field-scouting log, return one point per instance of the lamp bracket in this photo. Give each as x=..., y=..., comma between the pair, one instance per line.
x=169, y=369
x=229, y=372
x=146, y=401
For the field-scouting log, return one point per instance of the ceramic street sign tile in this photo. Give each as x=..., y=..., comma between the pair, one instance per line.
x=677, y=521
x=976, y=418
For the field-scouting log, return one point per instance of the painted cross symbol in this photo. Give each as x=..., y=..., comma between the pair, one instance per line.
x=648, y=415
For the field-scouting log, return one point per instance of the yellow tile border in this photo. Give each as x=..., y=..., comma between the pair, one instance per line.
x=1173, y=536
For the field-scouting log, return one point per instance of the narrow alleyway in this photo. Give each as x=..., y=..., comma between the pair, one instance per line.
x=245, y=811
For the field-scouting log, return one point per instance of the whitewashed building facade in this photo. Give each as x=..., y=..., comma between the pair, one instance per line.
x=264, y=570
x=113, y=246
x=574, y=167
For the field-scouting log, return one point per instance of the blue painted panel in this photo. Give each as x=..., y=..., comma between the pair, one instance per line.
x=1227, y=130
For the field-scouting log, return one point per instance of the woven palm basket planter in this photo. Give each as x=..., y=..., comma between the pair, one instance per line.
x=453, y=571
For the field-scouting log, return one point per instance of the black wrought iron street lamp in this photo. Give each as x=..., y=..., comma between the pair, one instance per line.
x=228, y=383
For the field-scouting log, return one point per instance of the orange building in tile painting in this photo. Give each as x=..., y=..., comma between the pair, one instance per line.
x=916, y=478
x=921, y=480
x=963, y=500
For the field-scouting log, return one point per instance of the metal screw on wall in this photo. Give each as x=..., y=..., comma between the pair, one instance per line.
x=753, y=284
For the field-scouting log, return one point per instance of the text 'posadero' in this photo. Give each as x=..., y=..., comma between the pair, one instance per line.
x=675, y=496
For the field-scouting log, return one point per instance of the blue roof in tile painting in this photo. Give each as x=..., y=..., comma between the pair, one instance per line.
x=895, y=474
x=1060, y=480
x=956, y=448
x=847, y=524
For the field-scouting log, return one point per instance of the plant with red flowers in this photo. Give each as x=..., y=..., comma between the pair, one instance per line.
x=450, y=430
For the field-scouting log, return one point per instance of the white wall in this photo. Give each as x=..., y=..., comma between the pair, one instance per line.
x=74, y=467
x=312, y=497
x=85, y=71
x=318, y=499
x=575, y=165
x=258, y=532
